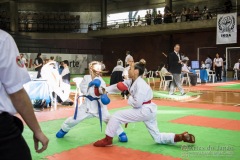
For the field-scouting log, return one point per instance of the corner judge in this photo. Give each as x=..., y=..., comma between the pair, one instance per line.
x=13, y=99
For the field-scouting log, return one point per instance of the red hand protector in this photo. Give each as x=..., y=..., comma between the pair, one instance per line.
x=121, y=86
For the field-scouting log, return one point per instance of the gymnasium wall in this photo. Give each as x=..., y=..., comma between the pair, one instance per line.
x=151, y=47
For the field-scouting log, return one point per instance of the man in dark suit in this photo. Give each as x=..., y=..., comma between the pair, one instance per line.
x=175, y=67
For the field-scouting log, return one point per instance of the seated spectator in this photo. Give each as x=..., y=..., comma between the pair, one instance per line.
x=208, y=62
x=118, y=67
x=116, y=75
x=203, y=66
x=185, y=70
x=165, y=72
x=236, y=68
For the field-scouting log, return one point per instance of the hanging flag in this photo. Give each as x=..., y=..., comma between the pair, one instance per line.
x=227, y=28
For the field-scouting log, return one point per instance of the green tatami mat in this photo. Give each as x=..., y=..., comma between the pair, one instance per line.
x=231, y=86
x=210, y=142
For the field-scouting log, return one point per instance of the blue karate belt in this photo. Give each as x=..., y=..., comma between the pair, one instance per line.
x=91, y=99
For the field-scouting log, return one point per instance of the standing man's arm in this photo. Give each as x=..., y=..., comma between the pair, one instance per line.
x=24, y=107
x=13, y=76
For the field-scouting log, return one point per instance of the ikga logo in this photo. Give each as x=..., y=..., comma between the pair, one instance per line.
x=226, y=24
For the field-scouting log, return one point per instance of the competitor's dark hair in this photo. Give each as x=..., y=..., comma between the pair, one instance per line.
x=140, y=66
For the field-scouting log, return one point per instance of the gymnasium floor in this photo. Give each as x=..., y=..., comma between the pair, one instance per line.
x=210, y=111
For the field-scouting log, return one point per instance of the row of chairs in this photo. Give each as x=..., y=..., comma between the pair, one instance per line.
x=41, y=16
x=164, y=82
x=53, y=27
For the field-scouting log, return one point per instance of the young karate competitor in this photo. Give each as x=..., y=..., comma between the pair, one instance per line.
x=94, y=105
x=143, y=110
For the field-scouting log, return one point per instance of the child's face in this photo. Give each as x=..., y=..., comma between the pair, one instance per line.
x=132, y=72
x=96, y=70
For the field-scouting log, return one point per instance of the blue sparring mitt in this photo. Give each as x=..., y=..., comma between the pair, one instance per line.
x=95, y=82
x=104, y=99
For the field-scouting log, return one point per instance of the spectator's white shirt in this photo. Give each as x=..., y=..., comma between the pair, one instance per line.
x=127, y=58
x=185, y=68
x=12, y=70
x=65, y=71
x=236, y=66
x=164, y=71
x=118, y=68
x=218, y=62
x=125, y=72
x=208, y=63
x=24, y=60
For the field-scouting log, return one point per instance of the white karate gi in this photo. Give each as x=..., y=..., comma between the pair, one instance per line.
x=140, y=92
x=89, y=109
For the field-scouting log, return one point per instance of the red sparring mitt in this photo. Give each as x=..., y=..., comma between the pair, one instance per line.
x=121, y=86
x=96, y=91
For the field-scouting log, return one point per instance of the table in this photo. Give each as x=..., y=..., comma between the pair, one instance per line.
x=37, y=90
x=204, y=75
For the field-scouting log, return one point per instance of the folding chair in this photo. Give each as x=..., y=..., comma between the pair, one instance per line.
x=151, y=77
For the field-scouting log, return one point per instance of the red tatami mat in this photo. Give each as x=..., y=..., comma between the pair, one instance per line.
x=219, y=123
x=89, y=152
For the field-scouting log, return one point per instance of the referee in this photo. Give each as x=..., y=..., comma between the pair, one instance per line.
x=13, y=99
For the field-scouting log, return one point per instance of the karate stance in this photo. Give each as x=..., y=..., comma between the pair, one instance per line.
x=94, y=104
x=143, y=110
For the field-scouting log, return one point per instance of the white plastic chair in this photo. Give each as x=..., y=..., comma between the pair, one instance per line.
x=185, y=77
x=150, y=77
x=198, y=76
x=163, y=81
x=211, y=75
x=78, y=92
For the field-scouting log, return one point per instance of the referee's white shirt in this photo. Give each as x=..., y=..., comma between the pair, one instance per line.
x=13, y=73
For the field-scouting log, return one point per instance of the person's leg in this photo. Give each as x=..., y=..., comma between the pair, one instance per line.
x=217, y=73
x=172, y=86
x=39, y=73
x=71, y=122
x=162, y=138
x=13, y=145
x=122, y=117
x=177, y=78
x=220, y=73
x=120, y=132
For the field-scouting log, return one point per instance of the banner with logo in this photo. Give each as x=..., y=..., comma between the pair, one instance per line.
x=227, y=28
x=78, y=63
